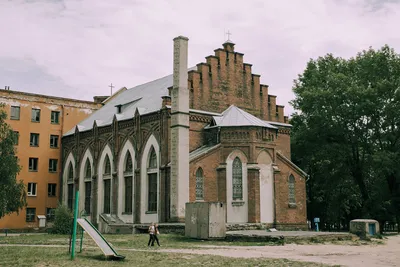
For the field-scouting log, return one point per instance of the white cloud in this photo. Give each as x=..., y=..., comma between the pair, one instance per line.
x=75, y=48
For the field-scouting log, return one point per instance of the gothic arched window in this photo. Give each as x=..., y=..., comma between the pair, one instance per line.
x=128, y=180
x=237, y=179
x=152, y=182
x=70, y=171
x=107, y=166
x=199, y=184
x=88, y=170
x=292, y=190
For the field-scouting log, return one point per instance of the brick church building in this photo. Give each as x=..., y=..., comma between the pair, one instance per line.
x=208, y=133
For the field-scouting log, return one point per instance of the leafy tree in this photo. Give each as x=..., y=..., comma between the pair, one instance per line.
x=13, y=195
x=346, y=134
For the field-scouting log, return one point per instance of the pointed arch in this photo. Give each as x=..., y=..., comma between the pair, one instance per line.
x=292, y=189
x=104, y=182
x=236, y=187
x=199, y=184
x=150, y=185
x=85, y=182
x=237, y=179
x=68, y=181
x=267, y=192
x=126, y=176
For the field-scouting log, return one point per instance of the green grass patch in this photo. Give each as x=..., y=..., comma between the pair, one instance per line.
x=37, y=256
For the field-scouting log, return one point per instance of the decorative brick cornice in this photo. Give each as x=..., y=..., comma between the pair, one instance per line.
x=200, y=118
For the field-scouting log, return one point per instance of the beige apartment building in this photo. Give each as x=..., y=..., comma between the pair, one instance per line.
x=40, y=122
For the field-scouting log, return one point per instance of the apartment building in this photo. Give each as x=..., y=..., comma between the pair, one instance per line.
x=40, y=122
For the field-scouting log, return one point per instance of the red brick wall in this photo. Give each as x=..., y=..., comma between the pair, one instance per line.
x=225, y=80
x=287, y=217
x=209, y=163
x=283, y=144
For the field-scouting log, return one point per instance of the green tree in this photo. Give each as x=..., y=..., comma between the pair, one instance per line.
x=346, y=134
x=63, y=220
x=12, y=193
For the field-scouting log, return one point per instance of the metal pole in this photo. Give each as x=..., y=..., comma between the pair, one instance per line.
x=75, y=224
x=81, y=239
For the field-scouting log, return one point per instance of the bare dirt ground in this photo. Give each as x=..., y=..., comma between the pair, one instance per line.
x=387, y=254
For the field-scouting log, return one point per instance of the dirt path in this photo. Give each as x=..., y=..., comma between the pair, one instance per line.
x=365, y=256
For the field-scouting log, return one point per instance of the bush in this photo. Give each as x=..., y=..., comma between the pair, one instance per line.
x=63, y=220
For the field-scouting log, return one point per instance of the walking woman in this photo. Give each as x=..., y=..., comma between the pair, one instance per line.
x=152, y=230
x=155, y=236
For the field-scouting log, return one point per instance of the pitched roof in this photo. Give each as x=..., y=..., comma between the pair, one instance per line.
x=234, y=116
x=145, y=97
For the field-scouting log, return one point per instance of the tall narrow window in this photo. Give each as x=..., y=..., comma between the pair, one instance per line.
x=88, y=170
x=128, y=175
x=199, y=184
x=70, y=172
x=292, y=190
x=107, y=185
x=107, y=166
x=70, y=196
x=88, y=195
x=152, y=182
x=107, y=196
x=237, y=179
x=88, y=186
x=16, y=137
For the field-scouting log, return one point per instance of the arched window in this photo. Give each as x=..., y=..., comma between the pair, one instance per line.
x=70, y=187
x=107, y=185
x=88, y=186
x=237, y=179
x=292, y=191
x=152, y=159
x=70, y=172
x=107, y=166
x=88, y=170
x=128, y=179
x=128, y=163
x=199, y=184
x=152, y=181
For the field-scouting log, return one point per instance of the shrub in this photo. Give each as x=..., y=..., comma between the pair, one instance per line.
x=63, y=220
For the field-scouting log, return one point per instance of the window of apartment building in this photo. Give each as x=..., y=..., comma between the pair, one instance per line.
x=51, y=190
x=30, y=214
x=16, y=137
x=53, y=165
x=15, y=113
x=34, y=141
x=50, y=214
x=35, y=116
x=55, y=117
x=54, y=141
x=33, y=164
x=32, y=189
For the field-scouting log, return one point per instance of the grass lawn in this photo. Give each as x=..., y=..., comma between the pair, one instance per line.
x=137, y=241
x=37, y=256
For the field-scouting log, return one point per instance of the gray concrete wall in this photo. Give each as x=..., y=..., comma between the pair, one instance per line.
x=205, y=220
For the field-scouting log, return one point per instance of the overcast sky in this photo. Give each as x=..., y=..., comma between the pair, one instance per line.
x=76, y=48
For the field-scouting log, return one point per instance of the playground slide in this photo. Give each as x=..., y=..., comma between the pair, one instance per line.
x=107, y=249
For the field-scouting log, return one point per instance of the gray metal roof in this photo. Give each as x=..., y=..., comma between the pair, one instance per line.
x=235, y=116
x=146, y=98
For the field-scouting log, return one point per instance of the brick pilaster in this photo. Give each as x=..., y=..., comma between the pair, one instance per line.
x=253, y=183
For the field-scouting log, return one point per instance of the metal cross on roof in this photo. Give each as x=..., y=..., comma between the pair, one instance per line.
x=111, y=86
x=229, y=35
